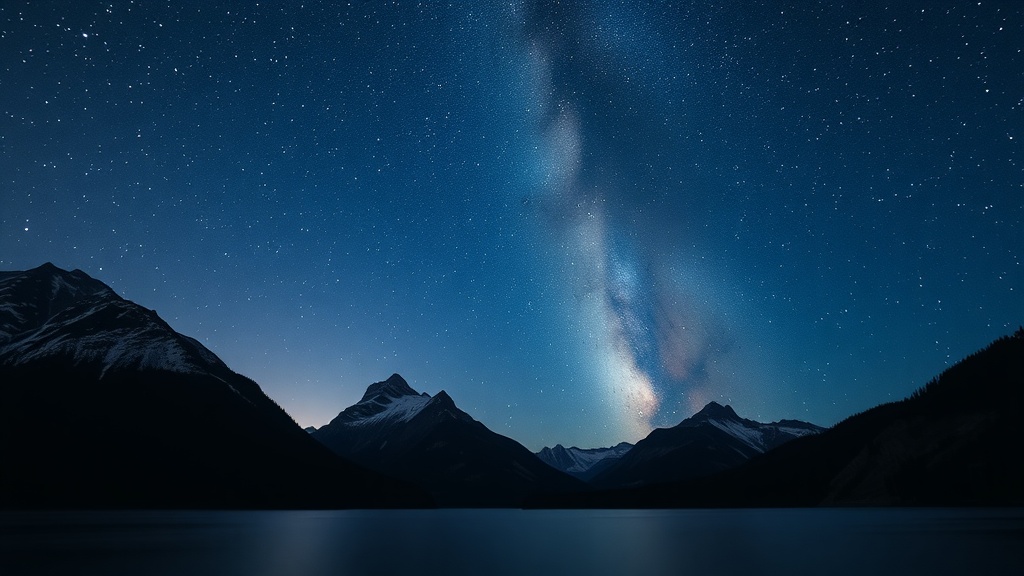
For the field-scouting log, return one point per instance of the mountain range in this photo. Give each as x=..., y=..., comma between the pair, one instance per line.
x=583, y=463
x=104, y=405
x=712, y=440
x=428, y=441
x=955, y=442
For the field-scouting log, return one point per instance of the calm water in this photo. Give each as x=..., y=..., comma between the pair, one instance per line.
x=484, y=542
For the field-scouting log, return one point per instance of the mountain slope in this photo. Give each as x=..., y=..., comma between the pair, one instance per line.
x=710, y=441
x=955, y=442
x=582, y=463
x=430, y=442
x=104, y=405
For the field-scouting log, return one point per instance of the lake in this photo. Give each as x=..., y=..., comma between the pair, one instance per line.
x=489, y=542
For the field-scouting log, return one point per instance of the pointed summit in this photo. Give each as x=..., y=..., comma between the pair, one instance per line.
x=711, y=441
x=430, y=442
x=715, y=411
x=393, y=387
x=390, y=400
x=442, y=397
x=50, y=313
x=441, y=407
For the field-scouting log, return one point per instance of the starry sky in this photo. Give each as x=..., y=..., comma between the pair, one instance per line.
x=581, y=219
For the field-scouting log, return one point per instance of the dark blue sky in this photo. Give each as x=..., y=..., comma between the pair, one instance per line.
x=581, y=219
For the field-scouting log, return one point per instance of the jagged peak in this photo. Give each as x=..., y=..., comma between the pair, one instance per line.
x=394, y=387
x=442, y=397
x=76, y=280
x=50, y=269
x=714, y=410
x=561, y=448
x=442, y=404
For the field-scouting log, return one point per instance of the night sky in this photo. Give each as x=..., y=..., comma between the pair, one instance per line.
x=581, y=219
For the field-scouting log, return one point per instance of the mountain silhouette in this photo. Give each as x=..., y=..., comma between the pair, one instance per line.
x=583, y=463
x=430, y=442
x=955, y=442
x=712, y=440
x=105, y=406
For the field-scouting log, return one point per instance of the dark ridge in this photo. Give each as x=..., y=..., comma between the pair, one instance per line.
x=954, y=442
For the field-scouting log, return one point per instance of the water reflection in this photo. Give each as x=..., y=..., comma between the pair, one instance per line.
x=515, y=542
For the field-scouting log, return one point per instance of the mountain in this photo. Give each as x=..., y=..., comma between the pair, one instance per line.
x=583, y=463
x=103, y=404
x=710, y=441
x=955, y=442
x=430, y=442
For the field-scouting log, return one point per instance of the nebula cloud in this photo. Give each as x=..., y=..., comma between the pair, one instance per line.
x=647, y=337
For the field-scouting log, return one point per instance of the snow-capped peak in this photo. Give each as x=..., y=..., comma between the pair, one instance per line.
x=400, y=409
x=752, y=436
x=48, y=313
x=758, y=436
x=390, y=400
x=581, y=462
x=394, y=387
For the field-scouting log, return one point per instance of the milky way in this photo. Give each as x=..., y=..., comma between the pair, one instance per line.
x=650, y=339
x=582, y=220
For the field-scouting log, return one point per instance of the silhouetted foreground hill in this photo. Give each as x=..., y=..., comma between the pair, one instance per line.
x=956, y=442
x=103, y=405
x=428, y=441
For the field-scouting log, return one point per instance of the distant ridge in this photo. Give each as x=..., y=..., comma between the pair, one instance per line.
x=955, y=442
x=583, y=463
x=711, y=441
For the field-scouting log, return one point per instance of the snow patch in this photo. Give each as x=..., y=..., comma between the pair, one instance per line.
x=581, y=460
x=144, y=345
x=798, y=432
x=401, y=409
x=750, y=436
